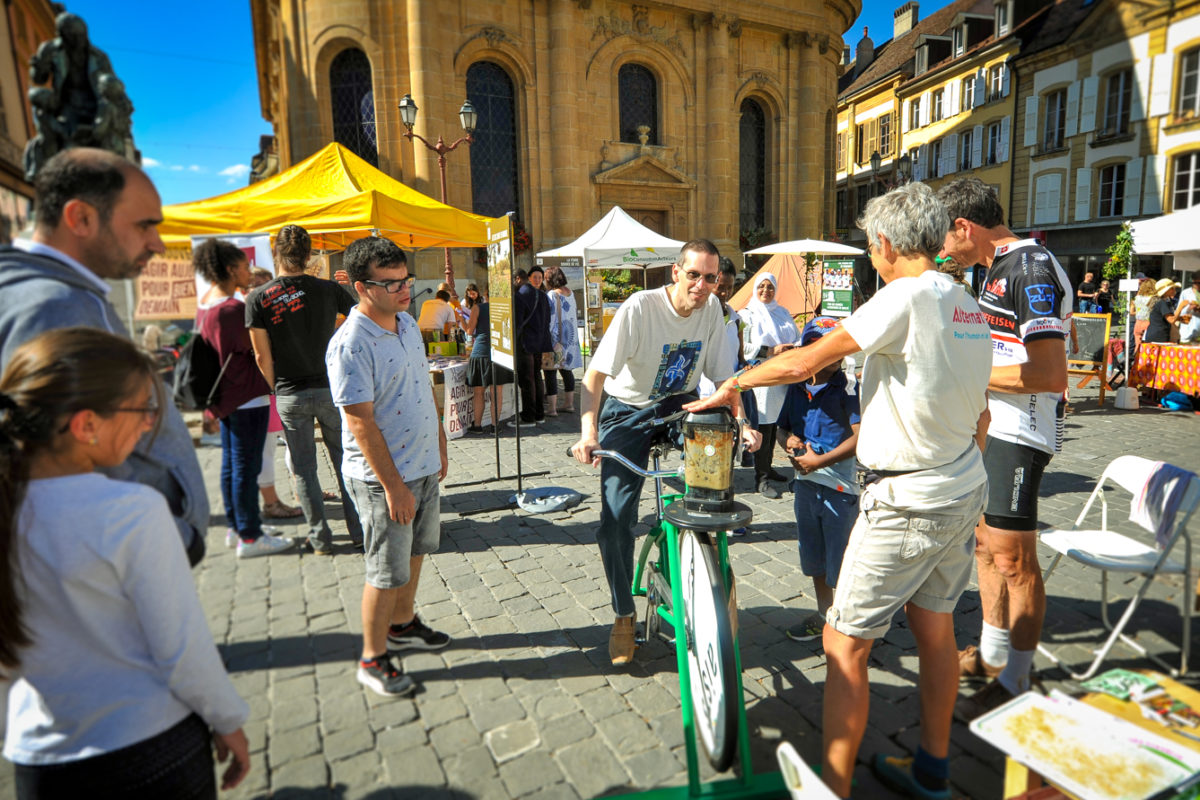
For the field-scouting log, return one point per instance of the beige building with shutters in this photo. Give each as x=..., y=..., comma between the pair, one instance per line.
x=699, y=119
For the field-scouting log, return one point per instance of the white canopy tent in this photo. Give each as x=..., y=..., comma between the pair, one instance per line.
x=1171, y=234
x=618, y=241
x=801, y=247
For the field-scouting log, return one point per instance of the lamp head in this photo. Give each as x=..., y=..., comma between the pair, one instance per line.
x=468, y=116
x=408, y=111
x=875, y=159
x=904, y=165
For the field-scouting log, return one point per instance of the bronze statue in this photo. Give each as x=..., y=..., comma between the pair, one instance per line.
x=85, y=104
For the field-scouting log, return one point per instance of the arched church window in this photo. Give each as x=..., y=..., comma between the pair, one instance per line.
x=637, y=91
x=353, y=100
x=752, y=161
x=495, y=189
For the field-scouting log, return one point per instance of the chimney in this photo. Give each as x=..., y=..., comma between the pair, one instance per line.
x=864, y=54
x=904, y=19
x=845, y=55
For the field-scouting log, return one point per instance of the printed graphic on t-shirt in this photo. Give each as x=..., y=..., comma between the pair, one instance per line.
x=277, y=299
x=675, y=369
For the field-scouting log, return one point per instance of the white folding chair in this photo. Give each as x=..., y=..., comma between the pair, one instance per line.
x=1109, y=551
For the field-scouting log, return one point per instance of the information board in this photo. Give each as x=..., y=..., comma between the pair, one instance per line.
x=837, y=288
x=500, y=290
x=1090, y=340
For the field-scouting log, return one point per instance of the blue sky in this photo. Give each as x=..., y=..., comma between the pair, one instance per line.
x=189, y=69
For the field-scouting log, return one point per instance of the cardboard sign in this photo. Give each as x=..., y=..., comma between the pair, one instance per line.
x=837, y=288
x=500, y=290
x=166, y=289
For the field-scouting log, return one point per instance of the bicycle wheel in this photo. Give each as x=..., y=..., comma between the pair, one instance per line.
x=710, y=648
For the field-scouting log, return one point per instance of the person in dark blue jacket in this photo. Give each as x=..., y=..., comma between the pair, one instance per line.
x=532, y=311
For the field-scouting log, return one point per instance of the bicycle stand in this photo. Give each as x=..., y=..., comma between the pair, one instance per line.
x=747, y=785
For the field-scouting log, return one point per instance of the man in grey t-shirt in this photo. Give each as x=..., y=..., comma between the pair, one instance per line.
x=649, y=362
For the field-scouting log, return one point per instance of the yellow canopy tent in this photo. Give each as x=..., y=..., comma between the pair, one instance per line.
x=337, y=197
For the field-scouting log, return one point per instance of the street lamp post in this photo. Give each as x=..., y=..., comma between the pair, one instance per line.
x=903, y=170
x=467, y=116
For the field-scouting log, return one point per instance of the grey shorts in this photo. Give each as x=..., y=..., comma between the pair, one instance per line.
x=896, y=556
x=387, y=544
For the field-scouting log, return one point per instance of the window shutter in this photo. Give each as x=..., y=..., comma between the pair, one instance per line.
x=923, y=160
x=1156, y=170
x=926, y=106
x=954, y=90
x=1133, y=187
x=1054, y=200
x=1005, y=83
x=906, y=110
x=1039, y=201
x=1031, y=113
x=1137, y=100
x=950, y=152
x=1002, y=147
x=1087, y=110
x=1083, y=194
x=980, y=86
x=1072, y=110
x=977, y=146
x=1160, y=89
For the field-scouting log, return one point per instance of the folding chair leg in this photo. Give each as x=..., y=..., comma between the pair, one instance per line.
x=1104, y=600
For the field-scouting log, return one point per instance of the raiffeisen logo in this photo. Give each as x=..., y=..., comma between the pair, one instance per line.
x=998, y=287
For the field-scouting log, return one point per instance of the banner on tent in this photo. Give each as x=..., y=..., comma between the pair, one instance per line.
x=837, y=288
x=500, y=290
x=166, y=288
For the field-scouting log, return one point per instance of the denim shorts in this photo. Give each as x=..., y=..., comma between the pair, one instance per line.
x=387, y=544
x=898, y=555
x=824, y=519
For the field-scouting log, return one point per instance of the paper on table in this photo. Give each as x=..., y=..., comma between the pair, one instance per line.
x=1083, y=750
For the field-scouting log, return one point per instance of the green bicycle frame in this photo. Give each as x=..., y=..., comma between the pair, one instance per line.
x=747, y=785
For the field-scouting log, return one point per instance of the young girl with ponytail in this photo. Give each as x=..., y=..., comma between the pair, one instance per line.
x=117, y=688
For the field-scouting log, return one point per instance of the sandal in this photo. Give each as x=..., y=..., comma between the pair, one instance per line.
x=280, y=510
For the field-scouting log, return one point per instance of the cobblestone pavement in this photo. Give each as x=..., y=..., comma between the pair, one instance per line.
x=524, y=703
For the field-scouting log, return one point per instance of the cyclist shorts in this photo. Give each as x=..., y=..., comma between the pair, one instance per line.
x=1014, y=475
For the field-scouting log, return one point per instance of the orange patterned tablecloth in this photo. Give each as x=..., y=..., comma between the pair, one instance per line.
x=1175, y=368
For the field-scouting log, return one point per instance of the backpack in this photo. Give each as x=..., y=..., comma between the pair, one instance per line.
x=198, y=375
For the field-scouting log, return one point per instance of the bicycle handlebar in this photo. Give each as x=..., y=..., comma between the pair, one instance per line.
x=629, y=465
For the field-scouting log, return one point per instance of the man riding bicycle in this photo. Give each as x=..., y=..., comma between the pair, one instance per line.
x=649, y=363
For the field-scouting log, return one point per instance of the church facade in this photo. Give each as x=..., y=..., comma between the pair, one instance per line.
x=699, y=119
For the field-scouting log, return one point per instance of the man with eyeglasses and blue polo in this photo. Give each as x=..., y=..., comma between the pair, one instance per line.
x=394, y=456
x=649, y=363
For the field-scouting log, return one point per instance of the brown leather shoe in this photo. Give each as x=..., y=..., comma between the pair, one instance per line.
x=620, y=641
x=972, y=665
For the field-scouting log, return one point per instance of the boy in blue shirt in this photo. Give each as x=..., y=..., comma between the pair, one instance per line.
x=818, y=427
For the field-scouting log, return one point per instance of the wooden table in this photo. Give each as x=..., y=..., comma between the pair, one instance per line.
x=1020, y=780
x=1167, y=367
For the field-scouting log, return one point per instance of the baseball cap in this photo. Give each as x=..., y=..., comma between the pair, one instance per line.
x=815, y=328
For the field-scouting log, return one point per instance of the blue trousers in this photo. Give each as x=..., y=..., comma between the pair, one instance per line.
x=626, y=430
x=243, y=434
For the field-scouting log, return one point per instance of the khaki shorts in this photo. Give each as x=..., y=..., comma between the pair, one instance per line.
x=388, y=545
x=897, y=555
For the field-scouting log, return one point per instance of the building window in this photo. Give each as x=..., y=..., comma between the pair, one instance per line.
x=964, y=158
x=1056, y=121
x=1117, y=96
x=1112, y=191
x=1189, y=84
x=914, y=157
x=866, y=141
x=996, y=82
x=959, y=39
x=752, y=161
x=968, y=92
x=494, y=185
x=885, y=135
x=936, y=112
x=993, y=144
x=353, y=101
x=840, y=163
x=935, y=159
x=638, y=96
x=1186, y=192
x=843, y=210
x=914, y=113
x=1002, y=18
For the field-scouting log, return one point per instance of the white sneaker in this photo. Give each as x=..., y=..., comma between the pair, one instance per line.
x=264, y=545
x=232, y=539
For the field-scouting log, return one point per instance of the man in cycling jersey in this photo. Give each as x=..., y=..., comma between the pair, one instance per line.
x=1026, y=302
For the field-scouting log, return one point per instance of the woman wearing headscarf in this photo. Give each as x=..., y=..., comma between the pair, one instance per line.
x=769, y=331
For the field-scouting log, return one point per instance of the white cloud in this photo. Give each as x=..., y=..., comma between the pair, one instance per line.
x=195, y=168
x=235, y=172
x=176, y=168
x=151, y=163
